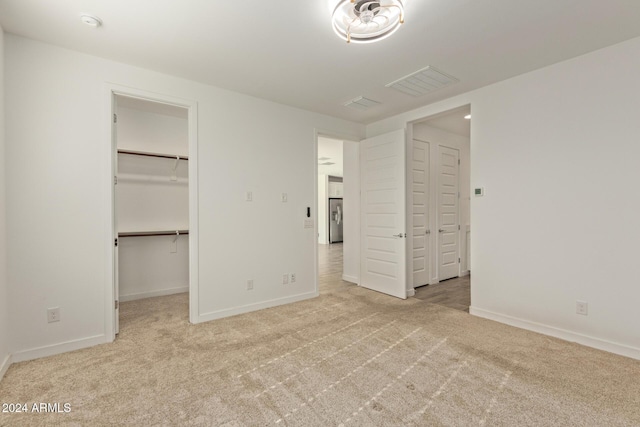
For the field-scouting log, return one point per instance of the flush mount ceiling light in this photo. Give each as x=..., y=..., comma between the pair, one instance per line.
x=367, y=21
x=90, y=20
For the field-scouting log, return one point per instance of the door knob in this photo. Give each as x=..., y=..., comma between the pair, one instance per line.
x=427, y=232
x=398, y=235
x=441, y=231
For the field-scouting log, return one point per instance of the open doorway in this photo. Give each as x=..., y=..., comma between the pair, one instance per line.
x=439, y=206
x=153, y=142
x=330, y=209
x=337, y=210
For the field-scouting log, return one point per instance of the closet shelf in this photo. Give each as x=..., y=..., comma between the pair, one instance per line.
x=149, y=154
x=152, y=233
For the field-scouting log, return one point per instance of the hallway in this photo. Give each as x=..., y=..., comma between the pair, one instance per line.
x=453, y=293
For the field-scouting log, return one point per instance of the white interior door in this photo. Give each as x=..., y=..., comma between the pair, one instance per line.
x=420, y=206
x=116, y=268
x=448, y=206
x=383, y=214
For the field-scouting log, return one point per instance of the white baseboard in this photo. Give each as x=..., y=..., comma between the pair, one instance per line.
x=213, y=315
x=465, y=273
x=411, y=292
x=4, y=366
x=51, y=350
x=589, y=341
x=151, y=294
x=350, y=279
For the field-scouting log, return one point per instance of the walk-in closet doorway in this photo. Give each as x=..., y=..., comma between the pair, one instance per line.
x=153, y=202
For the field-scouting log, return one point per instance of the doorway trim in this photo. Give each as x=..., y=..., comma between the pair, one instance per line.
x=318, y=132
x=462, y=232
x=111, y=91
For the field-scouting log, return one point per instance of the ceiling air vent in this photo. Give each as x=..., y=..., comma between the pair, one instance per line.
x=421, y=82
x=361, y=103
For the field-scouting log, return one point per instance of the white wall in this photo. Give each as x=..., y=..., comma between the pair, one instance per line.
x=426, y=133
x=351, y=205
x=147, y=199
x=149, y=268
x=153, y=132
x=557, y=151
x=4, y=293
x=58, y=182
x=323, y=206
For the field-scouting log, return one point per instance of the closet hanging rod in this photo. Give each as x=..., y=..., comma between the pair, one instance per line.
x=147, y=154
x=152, y=233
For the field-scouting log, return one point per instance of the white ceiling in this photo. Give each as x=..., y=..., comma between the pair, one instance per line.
x=452, y=121
x=330, y=150
x=287, y=52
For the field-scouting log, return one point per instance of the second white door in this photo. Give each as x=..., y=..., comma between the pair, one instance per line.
x=448, y=206
x=421, y=219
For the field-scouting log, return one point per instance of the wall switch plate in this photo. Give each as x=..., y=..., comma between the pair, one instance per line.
x=53, y=314
x=478, y=191
x=250, y=285
x=293, y=278
x=248, y=196
x=285, y=279
x=582, y=307
x=284, y=198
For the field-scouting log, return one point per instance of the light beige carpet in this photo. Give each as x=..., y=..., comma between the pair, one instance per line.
x=351, y=357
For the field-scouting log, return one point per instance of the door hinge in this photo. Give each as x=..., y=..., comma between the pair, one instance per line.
x=458, y=161
x=115, y=180
x=458, y=226
x=458, y=263
x=115, y=118
x=117, y=305
x=116, y=242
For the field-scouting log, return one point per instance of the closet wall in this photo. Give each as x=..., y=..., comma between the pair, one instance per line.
x=152, y=195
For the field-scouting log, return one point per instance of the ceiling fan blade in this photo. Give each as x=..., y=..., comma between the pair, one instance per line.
x=366, y=5
x=347, y=20
x=384, y=17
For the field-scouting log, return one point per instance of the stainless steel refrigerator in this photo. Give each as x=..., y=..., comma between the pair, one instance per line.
x=335, y=220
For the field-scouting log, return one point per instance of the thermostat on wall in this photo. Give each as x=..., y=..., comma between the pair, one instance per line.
x=478, y=191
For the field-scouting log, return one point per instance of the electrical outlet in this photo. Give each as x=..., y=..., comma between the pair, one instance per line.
x=293, y=278
x=250, y=285
x=53, y=314
x=582, y=307
x=285, y=279
x=249, y=196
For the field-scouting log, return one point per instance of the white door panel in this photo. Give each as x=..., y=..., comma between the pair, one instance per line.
x=420, y=206
x=383, y=210
x=448, y=218
x=116, y=264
